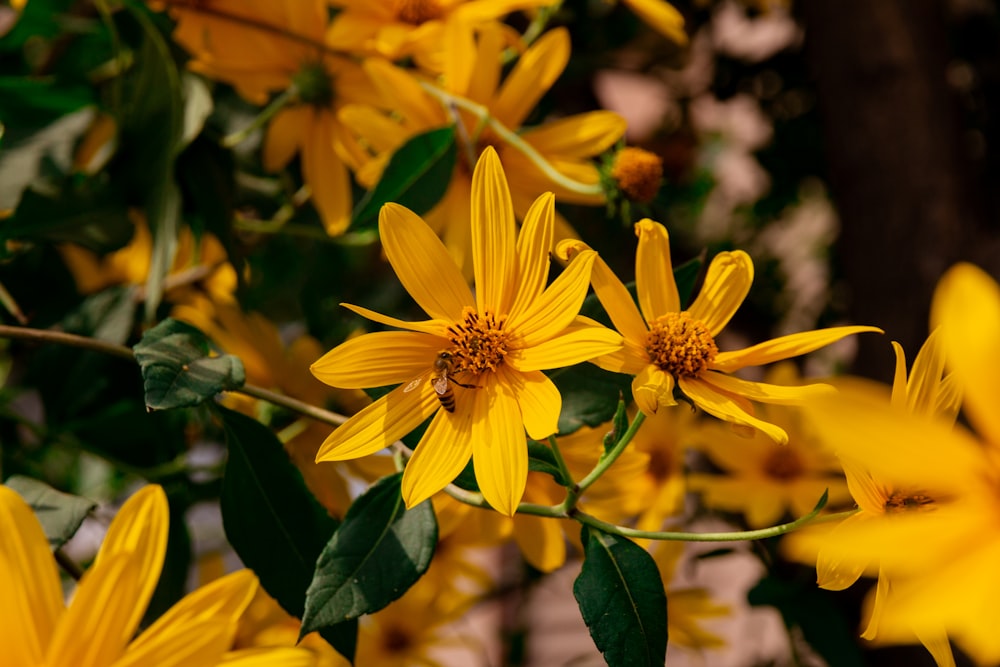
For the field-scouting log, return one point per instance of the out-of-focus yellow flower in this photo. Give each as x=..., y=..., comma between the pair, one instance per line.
x=480, y=355
x=687, y=606
x=199, y=264
x=765, y=480
x=424, y=30
x=666, y=347
x=660, y=16
x=96, y=629
x=566, y=145
x=663, y=437
x=262, y=47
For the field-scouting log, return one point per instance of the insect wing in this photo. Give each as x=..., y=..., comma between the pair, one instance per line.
x=440, y=384
x=413, y=384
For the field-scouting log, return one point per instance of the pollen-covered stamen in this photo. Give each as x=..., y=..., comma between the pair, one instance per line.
x=783, y=464
x=638, y=173
x=416, y=12
x=680, y=345
x=479, y=342
x=906, y=502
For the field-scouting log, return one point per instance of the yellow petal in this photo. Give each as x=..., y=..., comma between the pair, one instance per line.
x=493, y=241
x=938, y=646
x=654, y=273
x=612, y=294
x=549, y=313
x=925, y=376
x=499, y=447
x=272, y=656
x=193, y=645
x=432, y=327
x=899, y=377
x=653, y=388
x=378, y=359
x=422, y=264
x=325, y=174
x=31, y=600
x=784, y=347
x=723, y=406
x=535, y=72
x=660, y=16
x=766, y=393
x=140, y=530
x=541, y=541
x=867, y=493
x=442, y=453
x=833, y=571
x=533, y=245
x=459, y=50
x=577, y=137
x=283, y=135
x=574, y=345
x=538, y=399
x=874, y=611
x=482, y=85
x=404, y=91
x=727, y=283
x=966, y=306
x=380, y=424
x=630, y=359
x=380, y=132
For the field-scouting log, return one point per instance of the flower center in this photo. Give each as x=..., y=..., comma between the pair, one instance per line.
x=396, y=640
x=416, y=12
x=680, y=345
x=314, y=85
x=479, y=342
x=907, y=502
x=638, y=173
x=661, y=464
x=783, y=464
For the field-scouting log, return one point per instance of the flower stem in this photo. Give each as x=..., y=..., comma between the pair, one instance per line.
x=605, y=462
x=289, y=95
x=561, y=462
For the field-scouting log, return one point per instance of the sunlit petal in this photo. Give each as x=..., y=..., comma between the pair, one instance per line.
x=195, y=645
x=536, y=70
x=326, y=175
x=766, y=393
x=899, y=377
x=784, y=347
x=433, y=327
x=538, y=399
x=459, y=51
x=654, y=272
x=493, y=243
x=574, y=345
x=533, y=245
x=399, y=85
x=925, y=376
x=577, y=137
x=652, y=388
x=380, y=424
x=378, y=359
x=271, y=656
x=422, y=263
x=722, y=405
x=876, y=608
x=541, y=541
x=499, y=447
x=867, y=493
x=553, y=310
x=283, y=135
x=727, y=283
x=442, y=453
x=834, y=572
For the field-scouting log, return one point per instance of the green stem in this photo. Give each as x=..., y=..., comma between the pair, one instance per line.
x=514, y=140
x=561, y=462
x=603, y=464
x=289, y=95
x=537, y=25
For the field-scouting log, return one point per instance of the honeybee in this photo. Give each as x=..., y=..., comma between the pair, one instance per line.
x=440, y=380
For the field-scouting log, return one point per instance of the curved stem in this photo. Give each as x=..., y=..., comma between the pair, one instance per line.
x=605, y=462
x=288, y=96
x=561, y=462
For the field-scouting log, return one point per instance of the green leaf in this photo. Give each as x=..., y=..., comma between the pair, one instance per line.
x=417, y=176
x=619, y=424
x=37, y=102
x=177, y=370
x=108, y=315
x=274, y=523
x=589, y=395
x=379, y=551
x=541, y=459
x=59, y=513
x=622, y=601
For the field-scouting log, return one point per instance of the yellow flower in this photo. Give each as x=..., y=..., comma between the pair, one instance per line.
x=262, y=47
x=764, y=480
x=661, y=17
x=96, y=629
x=499, y=340
x=687, y=606
x=666, y=347
x=664, y=436
x=567, y=144
x=421, y=29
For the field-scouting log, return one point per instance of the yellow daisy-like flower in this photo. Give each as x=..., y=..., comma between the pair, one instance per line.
x=96, y=629
x=261, y=47
x=687, y=606
x=666, y=347
x=567, y=145
x=660, y=16
x=491, y=346
x=764, y=479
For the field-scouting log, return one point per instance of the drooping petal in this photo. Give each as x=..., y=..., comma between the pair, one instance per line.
x=535, y=72
x=541, y=541
x=867, y=493
x=653, y=388
x=833, y=572
x=574, y=345
x=661, y=16
x=875, y=613
x=925, y=376
x=378, y=359
x=326, y=175
x=612, y=294
x=763, y=392
x=720, y=404
x=432, y=327
x=283, y=136
x=966, y=306
x=783, y=347
x=422, y=263
x=539, y=401
x=727, y=283
x=380, y=424
x=549, y=313
x=493, y=242
x=899, y=377
x=533, y=245
x=31, y=599
x=654, y=272
x=443, y=452
x=579, y=136
x=499, y=447
x=140, y=530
